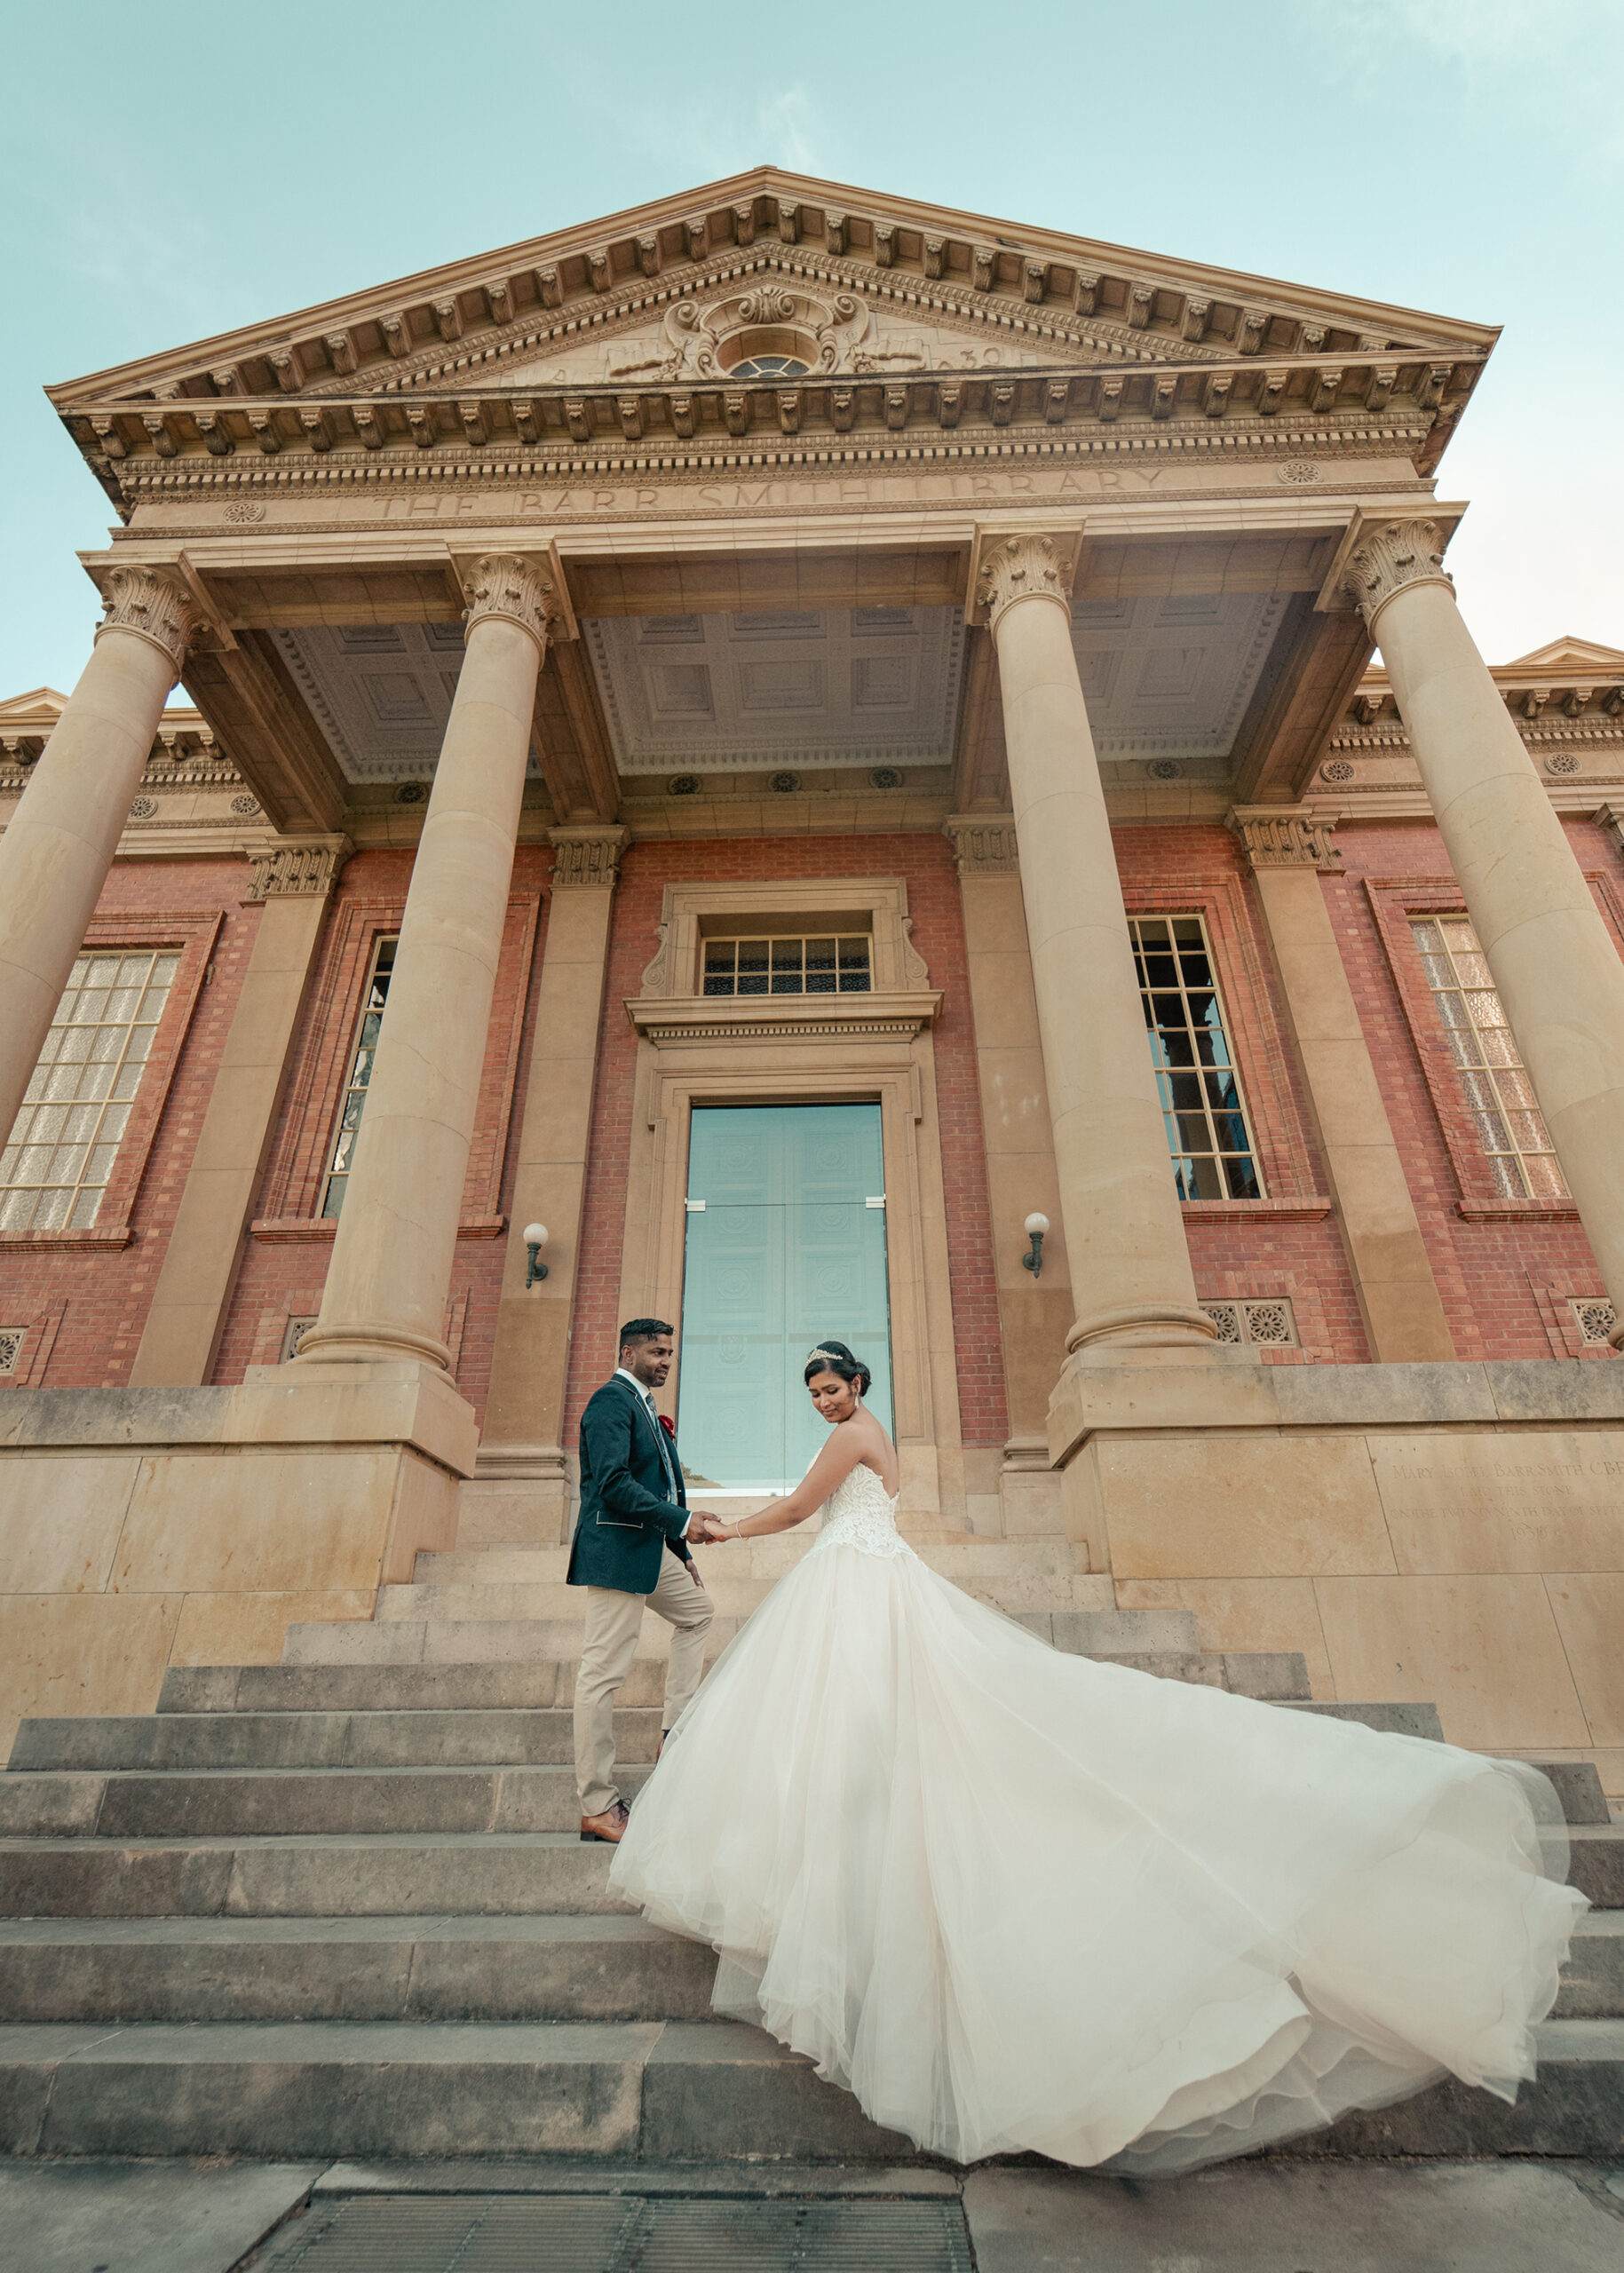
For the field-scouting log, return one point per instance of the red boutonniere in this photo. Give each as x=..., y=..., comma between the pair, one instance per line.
x=668, y=1425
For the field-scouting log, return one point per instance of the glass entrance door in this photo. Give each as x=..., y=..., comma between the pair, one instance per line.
x=786, y=1244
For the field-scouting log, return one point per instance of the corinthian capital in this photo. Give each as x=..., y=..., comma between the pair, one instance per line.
x=587, y=859
x=154, y=604
x=1388, y=558
x=1029, y=566
x=1283, y=836
x=519, y=591
x=297, y=871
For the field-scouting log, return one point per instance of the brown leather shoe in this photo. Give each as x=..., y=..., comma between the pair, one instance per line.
x=609, y=1827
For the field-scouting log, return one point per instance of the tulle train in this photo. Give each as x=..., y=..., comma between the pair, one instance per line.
x=1015, y=1899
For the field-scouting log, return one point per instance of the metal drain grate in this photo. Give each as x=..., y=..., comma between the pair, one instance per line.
x=404, y=2233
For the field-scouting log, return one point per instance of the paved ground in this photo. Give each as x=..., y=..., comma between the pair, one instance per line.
x=1531, y=2217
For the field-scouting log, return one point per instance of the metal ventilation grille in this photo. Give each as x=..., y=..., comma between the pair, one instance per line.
x=599, y=2234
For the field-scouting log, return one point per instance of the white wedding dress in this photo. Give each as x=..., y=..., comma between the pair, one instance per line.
x=1015, y=1899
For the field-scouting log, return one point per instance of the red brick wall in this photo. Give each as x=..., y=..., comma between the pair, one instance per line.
x=90, y=1305
x=939, y=934
x=1496, y=1280
x=281, y=1277
x=1202, y=868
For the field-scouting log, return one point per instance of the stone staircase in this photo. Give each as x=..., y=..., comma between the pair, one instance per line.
x=338, y=1907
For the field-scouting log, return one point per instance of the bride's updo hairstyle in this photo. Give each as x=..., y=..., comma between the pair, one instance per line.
x=835, y=1358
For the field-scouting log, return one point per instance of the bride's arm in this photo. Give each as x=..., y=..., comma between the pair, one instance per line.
x=839, y=1456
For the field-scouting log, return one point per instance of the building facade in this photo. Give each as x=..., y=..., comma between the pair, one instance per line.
x=787, y=740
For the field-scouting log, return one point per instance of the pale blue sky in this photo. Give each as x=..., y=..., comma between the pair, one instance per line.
x=169, y=172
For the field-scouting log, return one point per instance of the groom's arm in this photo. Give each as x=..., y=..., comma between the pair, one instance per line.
x=606, y=1438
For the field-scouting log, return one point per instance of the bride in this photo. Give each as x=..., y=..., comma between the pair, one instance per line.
x=1015, y=1899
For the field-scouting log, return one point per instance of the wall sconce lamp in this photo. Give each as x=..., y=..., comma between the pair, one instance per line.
x=535, y=1239
x=1036, y=1227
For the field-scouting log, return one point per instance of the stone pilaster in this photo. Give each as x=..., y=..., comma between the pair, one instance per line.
x=291, y=883
x=1124, y=1234
x=1287, y=848
x=56, y=852
x=1558, y=973
x=1035, y=1313
x=521, y=1488
x=391, y=1269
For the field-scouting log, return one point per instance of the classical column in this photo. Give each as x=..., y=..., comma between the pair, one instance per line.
x=1124, y=1235
x=390, y=1268
x=1558, y=973
x=1287, y=850
x=59, y=846
x=292, y=884
x=520, y=1489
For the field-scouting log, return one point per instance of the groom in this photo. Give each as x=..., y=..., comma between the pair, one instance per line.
x=631, y=1551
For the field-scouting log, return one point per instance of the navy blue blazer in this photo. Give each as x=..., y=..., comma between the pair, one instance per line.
x=627, y=1520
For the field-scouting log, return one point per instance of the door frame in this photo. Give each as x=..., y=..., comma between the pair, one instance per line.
x=897, y=1072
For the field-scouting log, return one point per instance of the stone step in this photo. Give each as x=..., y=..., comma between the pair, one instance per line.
x=406, y=1873
x=287, y=1802
x=553, y=1602
x=653, y=2091
x=483, y=1642
x=513, y=1738
x=538, y=1968
x=957, y=1556
x=374, y=1875
x=516, y=1684
x=455, y=1969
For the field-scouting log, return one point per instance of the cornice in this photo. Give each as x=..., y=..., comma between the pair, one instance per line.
x=682, y=1020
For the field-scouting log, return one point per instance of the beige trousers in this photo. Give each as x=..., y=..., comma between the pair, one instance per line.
x=614, y=1621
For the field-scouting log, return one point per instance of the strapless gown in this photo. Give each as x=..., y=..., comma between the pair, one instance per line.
x=1016, y=1899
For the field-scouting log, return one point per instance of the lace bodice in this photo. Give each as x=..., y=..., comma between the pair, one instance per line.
x=859, y=1512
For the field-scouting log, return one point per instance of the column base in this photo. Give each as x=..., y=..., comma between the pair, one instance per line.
x=368, y=1343
x=1144, y=1325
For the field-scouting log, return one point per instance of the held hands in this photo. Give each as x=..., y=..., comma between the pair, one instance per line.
x=705, y=1530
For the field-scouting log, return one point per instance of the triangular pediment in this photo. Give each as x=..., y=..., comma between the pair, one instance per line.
x=1568, y=657
x=933, y=284
x=40, y=706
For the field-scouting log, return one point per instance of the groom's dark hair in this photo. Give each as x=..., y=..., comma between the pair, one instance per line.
x=643, y=1330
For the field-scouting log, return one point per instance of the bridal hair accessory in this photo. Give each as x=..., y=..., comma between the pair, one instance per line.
x=835, y=1357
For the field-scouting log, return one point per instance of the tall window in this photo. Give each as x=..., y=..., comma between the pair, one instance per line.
x=1201, y=1104
x=65, y=1140
x=1514, y=1138
x=788, y=966
x=360, y=1075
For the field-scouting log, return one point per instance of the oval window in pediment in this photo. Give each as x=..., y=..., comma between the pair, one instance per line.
x=770, y=367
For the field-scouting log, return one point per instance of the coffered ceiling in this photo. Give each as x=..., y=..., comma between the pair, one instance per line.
x=808, y=687
x=1171, y=676
x=380, y=693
